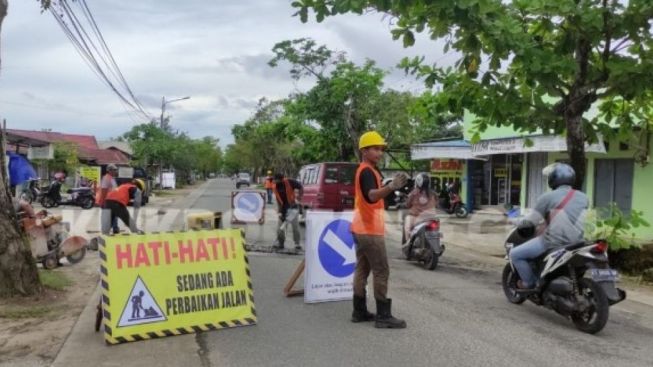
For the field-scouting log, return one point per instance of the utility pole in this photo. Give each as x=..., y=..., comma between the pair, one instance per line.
x=161, y=125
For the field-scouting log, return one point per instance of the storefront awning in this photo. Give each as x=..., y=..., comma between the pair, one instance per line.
x=540, y=143
x=446, y=149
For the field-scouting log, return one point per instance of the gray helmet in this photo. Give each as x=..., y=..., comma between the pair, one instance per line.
x=559, y=174
x=112, y=167
x=423, y=182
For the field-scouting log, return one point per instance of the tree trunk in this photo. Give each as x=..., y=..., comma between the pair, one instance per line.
x=18, y=274
x=576, y=148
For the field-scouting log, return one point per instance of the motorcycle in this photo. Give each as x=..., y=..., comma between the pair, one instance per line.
x=424, y=244
x=32, y=192
x=398, y=197
x=452, y=203
x=80, y=196
x=575, y=281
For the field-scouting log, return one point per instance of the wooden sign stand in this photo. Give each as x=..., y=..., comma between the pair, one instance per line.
x=288, y=291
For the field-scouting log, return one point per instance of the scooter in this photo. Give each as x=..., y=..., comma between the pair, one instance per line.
x=80, y=196
x=451, y=203
x=32, y=192
x=424, y=244
x=575, y=281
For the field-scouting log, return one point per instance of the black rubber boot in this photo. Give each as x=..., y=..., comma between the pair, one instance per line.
x=361, y=314
x=384, y=318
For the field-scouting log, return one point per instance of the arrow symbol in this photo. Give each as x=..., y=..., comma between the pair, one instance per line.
x=346, y=252
x=250, y=206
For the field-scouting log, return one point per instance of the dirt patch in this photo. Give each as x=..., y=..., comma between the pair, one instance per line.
x=33, y=329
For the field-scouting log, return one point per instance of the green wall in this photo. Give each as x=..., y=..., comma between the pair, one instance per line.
x=642, y=183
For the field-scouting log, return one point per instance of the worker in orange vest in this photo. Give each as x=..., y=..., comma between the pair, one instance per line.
x=288, y=208
x=269, y=186
x=368, y=228
x=115, y=205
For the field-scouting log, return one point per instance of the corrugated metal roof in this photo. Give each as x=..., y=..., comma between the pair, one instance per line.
x=445, y=144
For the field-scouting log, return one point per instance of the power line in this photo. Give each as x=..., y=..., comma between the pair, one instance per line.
x=87, y=48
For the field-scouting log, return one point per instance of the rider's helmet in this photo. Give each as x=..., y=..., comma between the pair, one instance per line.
x=423, y=182
x=559, y=174
x=60, y=176
x=140, y=184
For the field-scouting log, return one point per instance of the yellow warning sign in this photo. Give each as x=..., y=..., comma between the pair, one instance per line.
x=158, y=285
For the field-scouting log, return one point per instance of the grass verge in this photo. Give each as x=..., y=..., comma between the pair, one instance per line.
x=54, y=280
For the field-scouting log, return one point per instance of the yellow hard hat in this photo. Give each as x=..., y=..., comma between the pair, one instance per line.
x=140, y=184
x=269, y=173
x=371, y=139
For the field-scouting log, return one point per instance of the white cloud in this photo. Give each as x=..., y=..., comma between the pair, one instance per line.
x=215, y=52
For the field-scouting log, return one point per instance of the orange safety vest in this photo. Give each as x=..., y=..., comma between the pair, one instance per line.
x=290, y=192
x=121, y=194
x=369, y=218
x=269, y=182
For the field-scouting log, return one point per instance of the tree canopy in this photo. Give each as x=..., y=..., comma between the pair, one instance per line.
x=536, y=65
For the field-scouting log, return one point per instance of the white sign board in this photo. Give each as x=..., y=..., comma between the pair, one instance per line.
x=126, y=172
x=248, y=207
x=169, y=180
x=330, y=257
x=542, y=143
x=45, y=152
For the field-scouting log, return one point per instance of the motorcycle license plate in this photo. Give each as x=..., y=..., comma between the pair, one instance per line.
x=605, y=275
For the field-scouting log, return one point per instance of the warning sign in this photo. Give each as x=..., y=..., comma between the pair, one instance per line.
x=159, y=285
x=141, y=308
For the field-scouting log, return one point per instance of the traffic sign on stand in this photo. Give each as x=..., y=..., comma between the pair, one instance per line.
x=247, y=207
x=330, y=257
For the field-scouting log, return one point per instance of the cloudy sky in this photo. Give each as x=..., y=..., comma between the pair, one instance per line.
x=214, y=51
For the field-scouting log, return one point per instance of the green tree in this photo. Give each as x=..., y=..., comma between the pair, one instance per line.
x=531, y=64
x=341, y=101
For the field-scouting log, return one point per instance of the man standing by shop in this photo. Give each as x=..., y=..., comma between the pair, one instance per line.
x=368, y=228
x=288, y=208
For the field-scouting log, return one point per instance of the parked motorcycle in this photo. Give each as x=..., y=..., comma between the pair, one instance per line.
x=80, y=196
x=424, y=244
x=32, y=192
x=574, y=280
x=451, y=202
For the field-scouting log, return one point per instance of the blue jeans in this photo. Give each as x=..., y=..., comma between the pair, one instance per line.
x=269, y=196
x=521, y=255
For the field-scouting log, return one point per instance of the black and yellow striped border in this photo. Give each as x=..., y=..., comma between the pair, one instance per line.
x=108, y=333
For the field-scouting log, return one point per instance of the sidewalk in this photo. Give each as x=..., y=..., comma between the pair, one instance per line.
x=85, y=347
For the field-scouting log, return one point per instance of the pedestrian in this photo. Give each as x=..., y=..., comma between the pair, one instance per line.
x=115, y=205
x=108, y=184
x=368, y=228
x=287, y=201
x=269, y=186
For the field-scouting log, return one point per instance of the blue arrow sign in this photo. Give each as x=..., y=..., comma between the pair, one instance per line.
x=249, y=203
x=336, y=249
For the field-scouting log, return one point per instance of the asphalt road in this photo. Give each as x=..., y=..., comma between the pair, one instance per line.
x=456, y=315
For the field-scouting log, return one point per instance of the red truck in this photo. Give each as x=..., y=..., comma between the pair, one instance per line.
x=328, y=186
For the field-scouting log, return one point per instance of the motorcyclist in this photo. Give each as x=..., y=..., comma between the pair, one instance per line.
x=421, y=203
x=55, y=186
x=561, y=212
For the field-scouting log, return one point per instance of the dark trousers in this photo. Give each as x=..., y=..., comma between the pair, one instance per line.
x=371, y=257
x=269, y=196
x=111, y=212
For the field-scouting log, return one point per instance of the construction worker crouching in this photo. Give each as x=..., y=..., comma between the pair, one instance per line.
x=115, y=205
x=368, y=228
